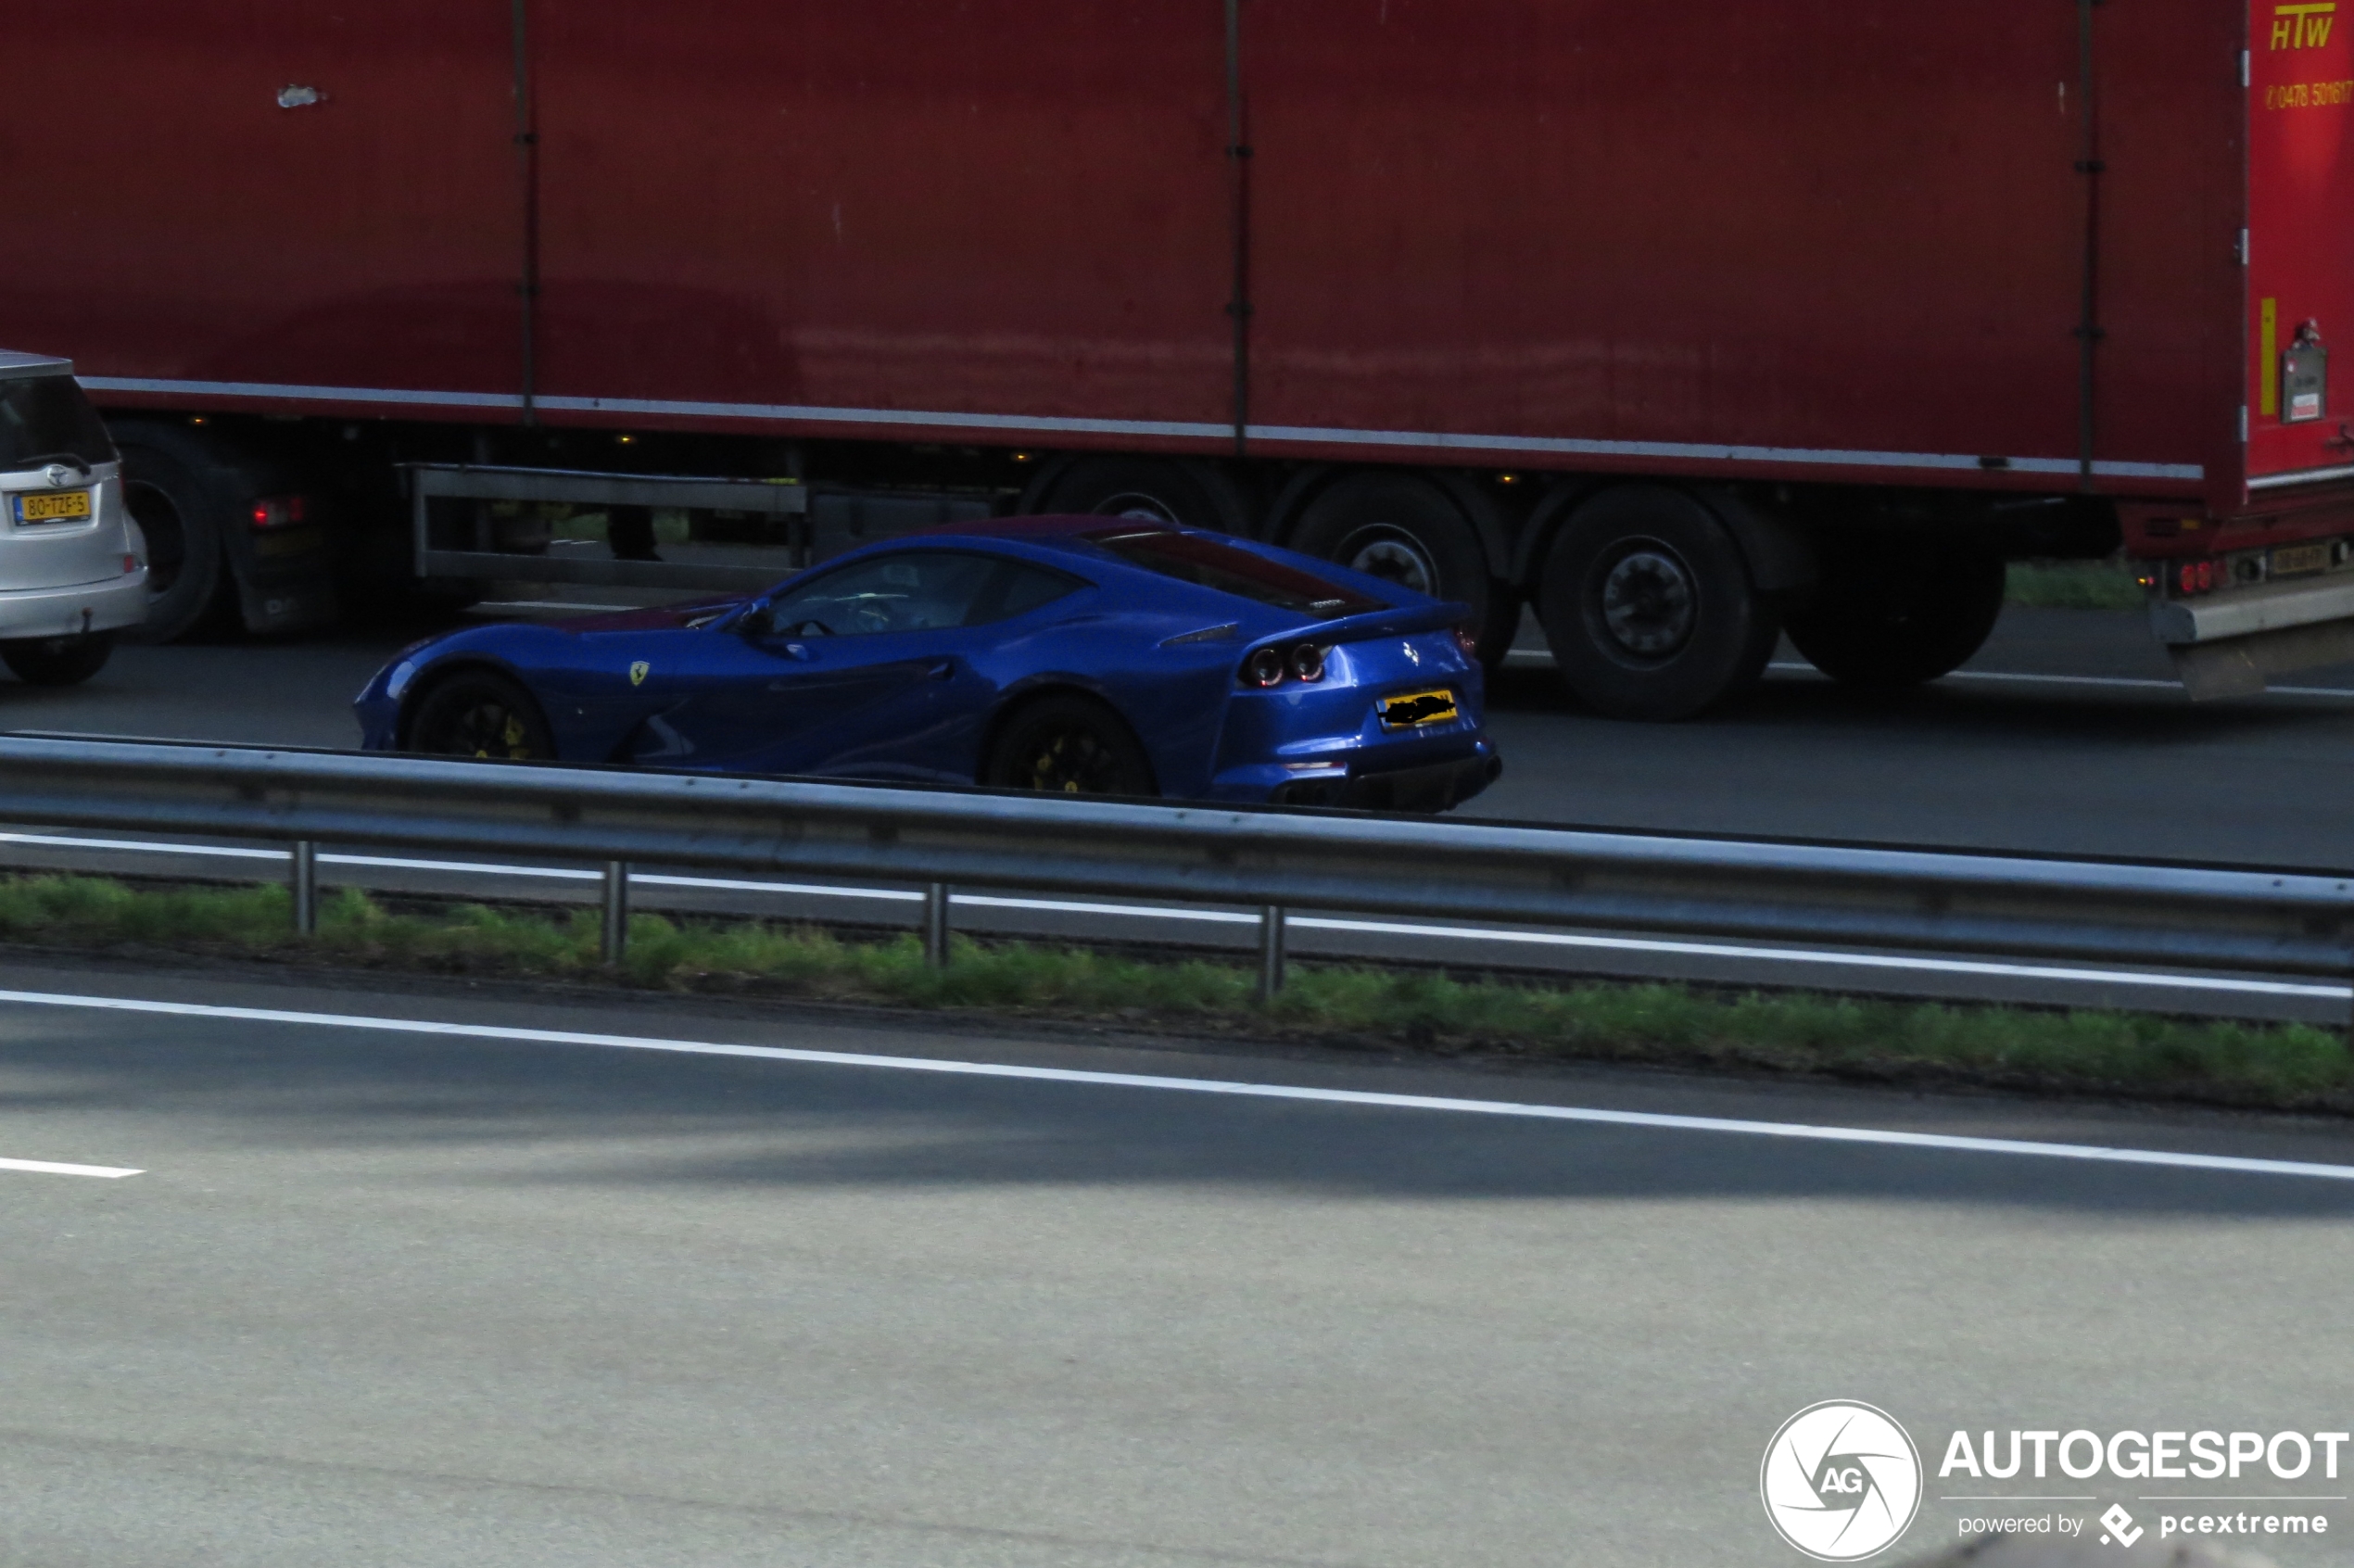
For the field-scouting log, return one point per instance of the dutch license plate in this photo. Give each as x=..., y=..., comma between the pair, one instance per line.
x=51, y=506
x=2290, y=559
x=1416, y=708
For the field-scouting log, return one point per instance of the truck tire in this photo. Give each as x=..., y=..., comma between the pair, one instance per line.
x=1404, y=529
x=184, y=500
x=1650, y=607
x=1193, y=495
x=1884, y=617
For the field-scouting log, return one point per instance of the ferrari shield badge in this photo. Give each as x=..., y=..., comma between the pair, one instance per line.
x=637, y=673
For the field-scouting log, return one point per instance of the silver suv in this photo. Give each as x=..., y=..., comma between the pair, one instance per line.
x=73, y=568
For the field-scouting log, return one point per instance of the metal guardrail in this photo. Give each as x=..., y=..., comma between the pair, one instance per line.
x=2014, y=906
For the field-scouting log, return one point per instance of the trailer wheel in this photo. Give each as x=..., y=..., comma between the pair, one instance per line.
x=1649, y=606
x=183, y=501
x=1404, y=529
x=1885, y=618
x=1193, y=495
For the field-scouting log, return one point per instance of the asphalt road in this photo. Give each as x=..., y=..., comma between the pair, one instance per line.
x=391, y=1298
x=2094, y=752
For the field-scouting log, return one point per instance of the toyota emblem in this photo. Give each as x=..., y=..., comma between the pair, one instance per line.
x=57, y=473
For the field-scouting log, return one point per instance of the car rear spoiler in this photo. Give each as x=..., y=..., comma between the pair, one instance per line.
x=1396, y=622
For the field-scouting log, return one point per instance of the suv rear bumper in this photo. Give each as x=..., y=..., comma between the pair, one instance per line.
x=108, y=605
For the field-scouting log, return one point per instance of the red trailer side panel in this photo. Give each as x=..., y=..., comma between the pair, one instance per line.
x=1802, y=231
x=881, y=212
x=199, y=231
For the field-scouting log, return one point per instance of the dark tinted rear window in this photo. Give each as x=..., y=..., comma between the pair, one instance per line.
x=46, y=416
x=1206, y=562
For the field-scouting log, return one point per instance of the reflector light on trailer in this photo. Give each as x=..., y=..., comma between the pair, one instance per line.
x=278, y=512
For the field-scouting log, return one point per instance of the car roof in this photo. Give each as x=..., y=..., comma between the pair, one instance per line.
x=1050, y=527
x=16, y=365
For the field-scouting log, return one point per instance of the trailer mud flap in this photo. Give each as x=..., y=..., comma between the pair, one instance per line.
x=2240, y=666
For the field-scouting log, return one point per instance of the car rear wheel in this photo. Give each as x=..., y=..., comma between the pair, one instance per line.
x=1069, y=745
x=58, y=661
x=479, y=714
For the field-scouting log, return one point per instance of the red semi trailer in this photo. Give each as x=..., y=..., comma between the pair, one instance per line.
x=1685, y=324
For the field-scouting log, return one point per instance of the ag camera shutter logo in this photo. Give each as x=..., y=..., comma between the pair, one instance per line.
x=1841, y=1481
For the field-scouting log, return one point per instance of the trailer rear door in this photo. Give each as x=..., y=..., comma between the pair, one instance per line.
x=2300, y=271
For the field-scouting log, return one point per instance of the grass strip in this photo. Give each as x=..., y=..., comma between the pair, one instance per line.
x=2074, y=584
x=2138, y=1055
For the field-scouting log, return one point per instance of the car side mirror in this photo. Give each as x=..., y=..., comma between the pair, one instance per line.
x=760, y=620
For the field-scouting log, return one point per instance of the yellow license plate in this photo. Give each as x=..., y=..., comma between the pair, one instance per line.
x=53, y=506
x=1416, y=708
x=2290, y=559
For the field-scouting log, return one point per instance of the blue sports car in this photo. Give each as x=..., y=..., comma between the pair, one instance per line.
x=1081, y=654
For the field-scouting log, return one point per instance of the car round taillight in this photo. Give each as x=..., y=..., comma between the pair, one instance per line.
x=1265, y=668
x=1308, y=662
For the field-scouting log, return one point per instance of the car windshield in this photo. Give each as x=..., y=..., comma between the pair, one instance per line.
x=46, y=416
x=1207, y=562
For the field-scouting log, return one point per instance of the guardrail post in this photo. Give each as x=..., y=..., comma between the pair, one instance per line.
x=1270, y=950
x=302, y=881
x=616, y=932
x=936, y=924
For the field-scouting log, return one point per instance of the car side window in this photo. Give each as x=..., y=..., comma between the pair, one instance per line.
x=916, y=590
x=1016, y=590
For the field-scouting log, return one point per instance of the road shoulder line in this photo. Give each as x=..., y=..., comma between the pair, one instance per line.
x=1652, y=1120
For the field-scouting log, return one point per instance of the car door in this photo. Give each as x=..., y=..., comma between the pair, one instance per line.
x=850, y=674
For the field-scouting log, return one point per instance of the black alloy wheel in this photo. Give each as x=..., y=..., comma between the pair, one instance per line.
x=1069, y=745
x=483, y=716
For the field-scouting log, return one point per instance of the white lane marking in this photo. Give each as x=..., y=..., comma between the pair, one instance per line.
x=544, y=604
x=50, y=1168
x=1655, y=945
x=1653, y=1121
x=2135, y=683
x=1539, y=657
x=1857, y=960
